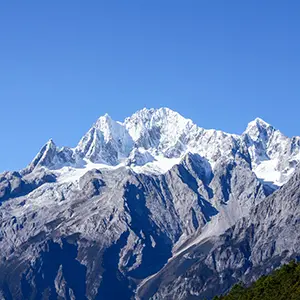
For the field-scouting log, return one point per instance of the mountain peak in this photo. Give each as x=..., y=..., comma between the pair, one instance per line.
x=105, y=119
x=258, y=128
x=260, y=123
x=161, y=112
x=45, y=155
x=157, y=128
x=50, y=144
x=106, y=142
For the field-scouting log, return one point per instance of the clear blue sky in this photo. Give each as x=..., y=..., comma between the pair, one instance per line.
x=221, y=63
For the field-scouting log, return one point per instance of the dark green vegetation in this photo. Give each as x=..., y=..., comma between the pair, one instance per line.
x=282, y=284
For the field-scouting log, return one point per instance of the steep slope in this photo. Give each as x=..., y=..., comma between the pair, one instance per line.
x=128, y=195
x=106, y=142
x=254, y=246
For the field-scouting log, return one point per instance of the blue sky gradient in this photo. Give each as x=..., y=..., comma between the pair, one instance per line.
x=220, y=63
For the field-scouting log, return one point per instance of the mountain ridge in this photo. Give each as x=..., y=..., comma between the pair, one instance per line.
x=151, y=137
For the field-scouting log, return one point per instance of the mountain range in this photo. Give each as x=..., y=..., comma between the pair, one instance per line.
x=154, y=207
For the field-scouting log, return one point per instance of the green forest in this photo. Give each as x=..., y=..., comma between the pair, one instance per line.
x=282, y=284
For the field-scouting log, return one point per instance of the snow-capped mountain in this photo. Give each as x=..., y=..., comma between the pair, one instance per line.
x=157, y=139
x=102, y=219
x=273, y=155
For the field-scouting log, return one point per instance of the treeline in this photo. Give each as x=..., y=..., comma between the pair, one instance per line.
x=282, y=284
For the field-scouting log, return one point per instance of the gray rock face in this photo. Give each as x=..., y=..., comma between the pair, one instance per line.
x=137, y=202
x=254, y=246
x=13, y=184
x=113, y=224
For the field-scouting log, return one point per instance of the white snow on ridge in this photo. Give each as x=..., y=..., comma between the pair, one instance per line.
x=71, y=174
x=161, y=165
x=154, y=140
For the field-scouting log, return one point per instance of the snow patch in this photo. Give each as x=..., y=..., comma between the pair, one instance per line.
x=71, y=174
x=267, y=171
x=160, y=165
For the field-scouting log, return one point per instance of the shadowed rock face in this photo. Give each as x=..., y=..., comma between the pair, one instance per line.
x=105, y=221
x=255, y=245
x=13, y=184
x=54, y=273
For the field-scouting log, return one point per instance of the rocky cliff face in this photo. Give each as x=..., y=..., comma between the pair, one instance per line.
x=254, y=246
x=147, y=196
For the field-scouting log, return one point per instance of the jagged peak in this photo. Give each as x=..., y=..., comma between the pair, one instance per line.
x=49, y=149
x=50, y=144
x=258, y=128
x=109, y=128
x=164, y=120
x=160, y=112
x=103, y=120
x=258, y=122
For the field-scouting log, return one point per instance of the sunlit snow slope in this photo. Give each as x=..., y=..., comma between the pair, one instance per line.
x=152, y=141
